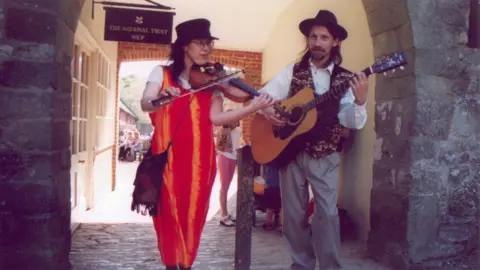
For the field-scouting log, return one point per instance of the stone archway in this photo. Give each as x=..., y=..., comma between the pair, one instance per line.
x=427, y=152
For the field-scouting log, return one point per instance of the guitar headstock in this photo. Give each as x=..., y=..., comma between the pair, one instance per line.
x=386, y=63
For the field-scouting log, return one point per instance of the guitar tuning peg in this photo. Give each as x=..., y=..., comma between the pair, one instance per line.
x=402, y=68
x=385, y=74
x=393, y=71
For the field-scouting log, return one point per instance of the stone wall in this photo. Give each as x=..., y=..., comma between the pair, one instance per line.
x=35, y=111
x=427, y=155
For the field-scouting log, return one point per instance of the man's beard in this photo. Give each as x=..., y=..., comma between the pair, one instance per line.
x=319, y=55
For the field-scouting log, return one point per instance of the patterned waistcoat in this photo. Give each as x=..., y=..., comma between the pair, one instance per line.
x=328, y=135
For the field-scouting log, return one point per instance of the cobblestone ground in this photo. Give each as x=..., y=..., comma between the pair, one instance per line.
x=122, y=246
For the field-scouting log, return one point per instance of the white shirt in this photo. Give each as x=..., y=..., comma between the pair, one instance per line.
x=351, y=115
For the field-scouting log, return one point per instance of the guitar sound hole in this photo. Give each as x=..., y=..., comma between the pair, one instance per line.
x=296, y=115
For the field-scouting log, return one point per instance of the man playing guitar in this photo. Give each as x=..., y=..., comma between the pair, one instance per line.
x=318, y=164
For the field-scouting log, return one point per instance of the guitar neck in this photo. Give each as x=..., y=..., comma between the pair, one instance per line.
x=336, y=90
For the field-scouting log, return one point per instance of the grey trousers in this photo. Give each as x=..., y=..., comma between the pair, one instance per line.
x=321, y=174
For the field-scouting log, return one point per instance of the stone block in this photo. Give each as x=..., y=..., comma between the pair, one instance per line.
x=62, y=106
x=42, y=242
x=19, y=22
x=388, y=178
x=404, y=36
x=23, y=103
x=38, y=134
x=27, y=198
x=385, y=15
x=393, y=88
x=61, y=180
x=6, y=51
x=449, y=63
x=424, y=148
x=28, y=74
x=44, y=5
x=394, y=117
x=466, y=118
x=457, y=151
x=438, y=23
x=388, y=224
x=64, y=43
x=423, y=225
x=434, y=107
x=69, y=10
x=12, y=163
x=392, y=151
x=60, y=127
x=385, y=43
x=28, y=51
x=429, y=87
x=63, y=83
x=461, y=202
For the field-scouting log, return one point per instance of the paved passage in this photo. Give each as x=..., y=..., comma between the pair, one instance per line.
x=113, y=238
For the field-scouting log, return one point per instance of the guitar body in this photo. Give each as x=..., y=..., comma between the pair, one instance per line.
x=268, y=142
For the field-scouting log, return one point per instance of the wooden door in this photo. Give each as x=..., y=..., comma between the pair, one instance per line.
x=78, y=131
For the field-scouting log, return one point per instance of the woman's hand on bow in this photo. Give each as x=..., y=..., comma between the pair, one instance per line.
x=170, y=91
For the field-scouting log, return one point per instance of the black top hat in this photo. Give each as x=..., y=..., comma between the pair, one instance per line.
x=327, y=19
x=193, y=29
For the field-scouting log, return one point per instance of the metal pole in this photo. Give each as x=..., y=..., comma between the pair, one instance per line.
x=474, y=25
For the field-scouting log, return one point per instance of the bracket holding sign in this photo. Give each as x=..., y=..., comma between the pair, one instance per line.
x=154, y=5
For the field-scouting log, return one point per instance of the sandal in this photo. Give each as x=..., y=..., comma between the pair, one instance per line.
x=227, y=222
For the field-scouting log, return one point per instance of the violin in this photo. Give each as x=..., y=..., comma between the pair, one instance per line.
x=212, y=77
x=210, y=72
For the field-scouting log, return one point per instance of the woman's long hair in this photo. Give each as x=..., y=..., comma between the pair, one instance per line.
x=177, y=57
x=335, y=55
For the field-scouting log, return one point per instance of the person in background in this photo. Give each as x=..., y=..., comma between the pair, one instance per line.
x=273, y=201
x=228, y=140
x=125, y=144
x=137, y=145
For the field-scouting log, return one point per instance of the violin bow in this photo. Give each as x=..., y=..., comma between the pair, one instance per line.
x=162, y=101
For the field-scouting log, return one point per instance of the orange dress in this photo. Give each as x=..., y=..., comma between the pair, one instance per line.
x=189, y=174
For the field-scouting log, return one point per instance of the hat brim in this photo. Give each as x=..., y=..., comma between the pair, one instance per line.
x=188, y=39
x=335, y=29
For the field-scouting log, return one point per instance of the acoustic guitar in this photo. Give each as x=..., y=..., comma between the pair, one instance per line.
x=269, y=142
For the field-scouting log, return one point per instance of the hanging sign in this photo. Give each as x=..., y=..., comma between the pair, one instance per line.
x=136, y=25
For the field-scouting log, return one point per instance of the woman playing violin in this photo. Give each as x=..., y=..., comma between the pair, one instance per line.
x=191, y=168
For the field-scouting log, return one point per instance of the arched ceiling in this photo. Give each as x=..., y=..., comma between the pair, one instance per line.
x=239, y=24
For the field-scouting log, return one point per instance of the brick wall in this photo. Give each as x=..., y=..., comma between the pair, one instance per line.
x=250, y=62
